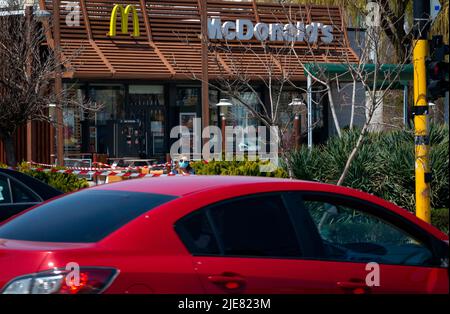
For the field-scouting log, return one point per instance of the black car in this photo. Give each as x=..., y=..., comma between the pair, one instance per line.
x=19, y=191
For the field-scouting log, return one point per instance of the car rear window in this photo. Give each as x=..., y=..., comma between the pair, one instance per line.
x=85, y=216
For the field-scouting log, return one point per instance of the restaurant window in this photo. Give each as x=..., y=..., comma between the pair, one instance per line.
x=288, y=112
x=187, y=105
x=213, y=109
x=111, y=99
x=188, y=98
x=147, y=95
x=188, y=101
x=317, y=109
x=73, y=116
x=238, y=114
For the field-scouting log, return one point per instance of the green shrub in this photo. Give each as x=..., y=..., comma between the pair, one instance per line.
x=439, y=219
x=236, y=168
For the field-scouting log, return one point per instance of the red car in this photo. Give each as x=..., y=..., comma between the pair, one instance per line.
x=200, y=234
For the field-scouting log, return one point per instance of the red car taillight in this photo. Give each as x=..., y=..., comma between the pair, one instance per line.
x=89, y=280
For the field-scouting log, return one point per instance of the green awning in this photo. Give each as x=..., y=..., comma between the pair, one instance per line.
x=386, y=74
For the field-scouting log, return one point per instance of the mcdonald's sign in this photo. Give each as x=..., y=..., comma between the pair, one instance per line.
x=123, y=20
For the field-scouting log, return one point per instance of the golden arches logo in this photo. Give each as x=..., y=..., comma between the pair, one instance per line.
x=123, y=20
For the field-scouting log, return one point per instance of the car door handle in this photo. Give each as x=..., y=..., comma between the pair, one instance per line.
x=357, y=287
x=228, y=281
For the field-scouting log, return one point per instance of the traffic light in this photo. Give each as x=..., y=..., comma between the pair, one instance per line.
x=437, y=69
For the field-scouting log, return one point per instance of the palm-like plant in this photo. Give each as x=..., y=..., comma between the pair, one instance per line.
x=440, y=25
x=384, y=165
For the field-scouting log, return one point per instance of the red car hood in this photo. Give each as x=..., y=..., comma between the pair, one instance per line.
x=18, y=258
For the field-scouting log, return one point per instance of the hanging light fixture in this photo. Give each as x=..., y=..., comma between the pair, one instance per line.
x=297, y=102
x=224, y=102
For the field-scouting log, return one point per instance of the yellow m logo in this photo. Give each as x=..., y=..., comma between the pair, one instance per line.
x=123, y=20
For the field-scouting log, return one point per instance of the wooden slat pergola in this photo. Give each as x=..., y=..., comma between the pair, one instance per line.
x=169, y=45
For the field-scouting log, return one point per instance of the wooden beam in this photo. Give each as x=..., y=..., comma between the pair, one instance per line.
x=163, y=59
x=49, y=36
x=102, y=56
x=68, y=75
x=48, y=32
x=203, y=10
x=346, y=40
x=148, y=27
x=58, y=83
x=29, y=69
x=277, y=62
x=87, y=23
x=223, y=63
x=255, y=9
x=148, y=30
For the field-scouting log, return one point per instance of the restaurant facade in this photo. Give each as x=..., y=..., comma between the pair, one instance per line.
x=156, y=70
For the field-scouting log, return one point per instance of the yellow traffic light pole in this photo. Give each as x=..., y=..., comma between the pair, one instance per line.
x=422, y=167
x=422, y=140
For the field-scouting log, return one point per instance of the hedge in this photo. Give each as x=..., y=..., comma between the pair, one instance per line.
x=65, y=182
x=236, y=168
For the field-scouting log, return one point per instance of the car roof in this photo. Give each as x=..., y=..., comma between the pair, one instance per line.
x=183, y=185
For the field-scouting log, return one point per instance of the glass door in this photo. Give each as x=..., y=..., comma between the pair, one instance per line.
x=143, y=126
x=111, y=99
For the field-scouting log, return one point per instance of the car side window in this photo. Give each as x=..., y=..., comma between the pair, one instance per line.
x=352, y=234
x=257, y=226
x=5, y=194
x=22, y=195
x=196, y=233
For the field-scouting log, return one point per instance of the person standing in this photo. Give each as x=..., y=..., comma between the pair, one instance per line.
x=183, y=166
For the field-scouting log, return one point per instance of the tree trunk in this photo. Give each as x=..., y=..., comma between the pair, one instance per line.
x=352, y=116
x=352, y=155
x=10, y=150
x=333, y=110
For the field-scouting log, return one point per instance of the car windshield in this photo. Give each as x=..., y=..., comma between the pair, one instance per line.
x=83, y=217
